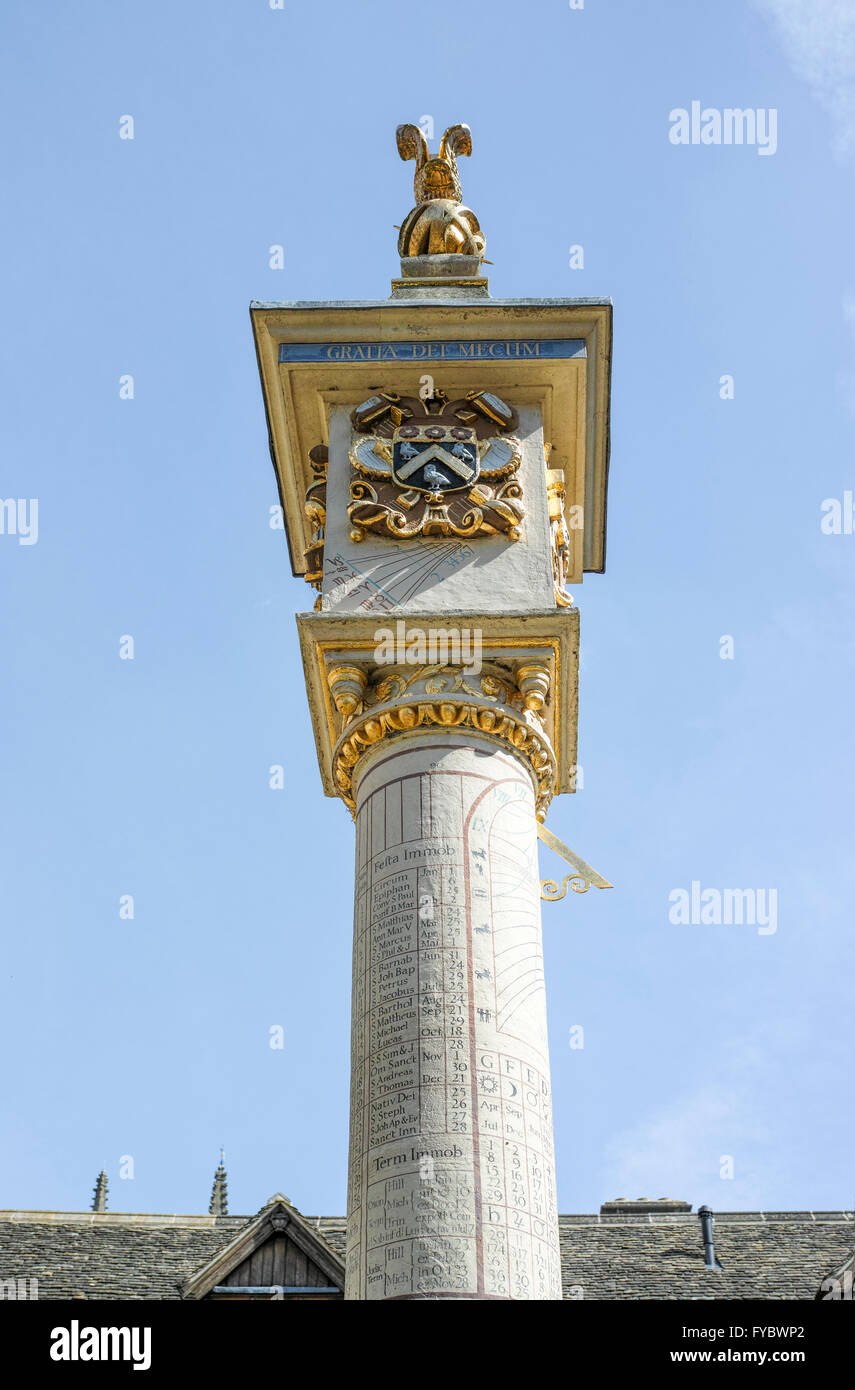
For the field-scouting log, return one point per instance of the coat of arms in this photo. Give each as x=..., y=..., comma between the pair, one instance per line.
x=435, y=467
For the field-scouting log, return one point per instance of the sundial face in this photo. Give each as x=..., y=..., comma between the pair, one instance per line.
x=434, y=457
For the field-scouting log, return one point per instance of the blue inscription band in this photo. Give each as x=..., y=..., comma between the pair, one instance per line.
x=477, y=350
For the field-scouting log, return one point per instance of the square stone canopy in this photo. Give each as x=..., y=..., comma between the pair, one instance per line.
x=552, y=353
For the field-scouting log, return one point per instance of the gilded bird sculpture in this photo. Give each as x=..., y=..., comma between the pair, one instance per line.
x=439, y=224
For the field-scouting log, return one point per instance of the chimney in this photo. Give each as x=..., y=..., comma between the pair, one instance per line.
x=707, y=1222
x=644, y=1206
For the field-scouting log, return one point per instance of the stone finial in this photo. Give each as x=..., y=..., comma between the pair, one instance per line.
x=275, y=1199
x=219, y=1205
x=99, y=1198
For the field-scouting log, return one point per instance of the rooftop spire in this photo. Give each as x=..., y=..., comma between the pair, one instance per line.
x=99, y=1199
x=219, y=1195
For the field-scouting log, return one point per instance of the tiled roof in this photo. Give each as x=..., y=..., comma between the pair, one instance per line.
x=109, y=1255
x=767, y=1255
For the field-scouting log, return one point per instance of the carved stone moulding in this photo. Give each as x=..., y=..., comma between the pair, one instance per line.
x=518, y=692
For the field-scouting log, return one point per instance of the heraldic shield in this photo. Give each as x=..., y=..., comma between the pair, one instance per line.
x=435, y=458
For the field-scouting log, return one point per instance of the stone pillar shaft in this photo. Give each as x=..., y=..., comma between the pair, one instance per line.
x=451, y=1190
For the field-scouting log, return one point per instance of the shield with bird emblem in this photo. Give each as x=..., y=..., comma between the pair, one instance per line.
x=435, y=458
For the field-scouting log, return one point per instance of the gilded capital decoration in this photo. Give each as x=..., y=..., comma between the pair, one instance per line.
x=562, y=555
x=348, y=684
x=435, y=467
x=500, y=703
x=439, y=224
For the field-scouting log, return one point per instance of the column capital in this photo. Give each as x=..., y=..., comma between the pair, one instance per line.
x=509, y=680
x=492, y=705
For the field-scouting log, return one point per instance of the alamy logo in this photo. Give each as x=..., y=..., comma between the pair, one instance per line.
x=434, y=646
x=838, y=1289
x=19, y=1289
x=76, y=1343
x=730, y=126
x=725, y=907
x=838, y=518
x=14, y=520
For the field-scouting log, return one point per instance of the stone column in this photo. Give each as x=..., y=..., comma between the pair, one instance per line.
x=446, y=508
x=451, y=1189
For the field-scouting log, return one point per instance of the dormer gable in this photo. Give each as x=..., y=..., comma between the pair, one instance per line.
x=277, y=1255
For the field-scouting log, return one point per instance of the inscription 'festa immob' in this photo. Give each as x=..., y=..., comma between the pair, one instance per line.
x=420, y=852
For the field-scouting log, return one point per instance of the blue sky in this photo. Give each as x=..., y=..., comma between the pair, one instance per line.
x=255, y=127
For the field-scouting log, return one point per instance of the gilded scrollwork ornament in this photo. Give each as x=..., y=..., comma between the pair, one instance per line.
x=348, y=684
x=580, y=879
x=435, y=467
x=315, y=508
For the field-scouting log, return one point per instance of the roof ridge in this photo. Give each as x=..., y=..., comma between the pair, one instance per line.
x=89, y=1217
x=96, y=1218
